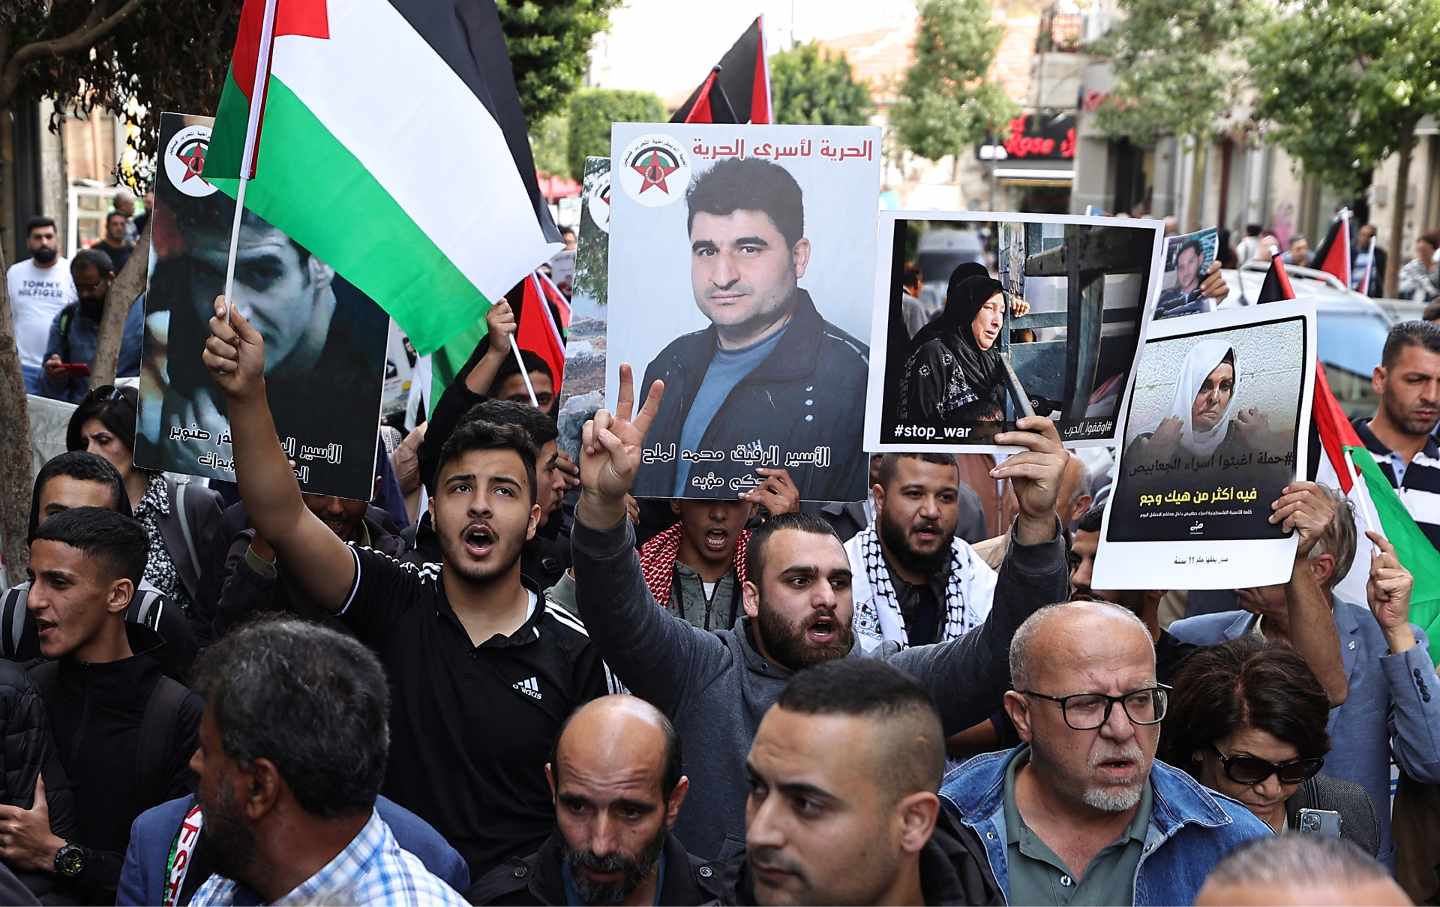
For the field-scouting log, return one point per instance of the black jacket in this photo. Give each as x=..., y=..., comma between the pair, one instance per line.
x=953, y=869
x=808, y=393
x=26, y=750
x=247, y=590
x=97, y=712
x=536, y=879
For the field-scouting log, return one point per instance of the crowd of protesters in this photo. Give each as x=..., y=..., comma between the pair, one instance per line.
x=542, y=691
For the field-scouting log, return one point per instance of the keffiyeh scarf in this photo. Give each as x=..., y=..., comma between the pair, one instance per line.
x=657, y=562
x=969, y=589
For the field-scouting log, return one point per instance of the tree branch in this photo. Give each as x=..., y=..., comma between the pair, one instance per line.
x=93, y=29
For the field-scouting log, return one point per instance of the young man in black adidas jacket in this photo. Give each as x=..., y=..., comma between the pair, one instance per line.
x=124, y=731
x=482, y=672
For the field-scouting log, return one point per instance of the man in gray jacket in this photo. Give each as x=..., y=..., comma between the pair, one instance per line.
x=716, y=686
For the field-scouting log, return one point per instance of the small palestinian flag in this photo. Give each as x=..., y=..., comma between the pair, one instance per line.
x=1333, y=256
x=1277, y=283
x=389, y=142
x=738, y=89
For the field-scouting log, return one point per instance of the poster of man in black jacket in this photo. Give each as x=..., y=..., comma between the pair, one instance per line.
x=773, y=377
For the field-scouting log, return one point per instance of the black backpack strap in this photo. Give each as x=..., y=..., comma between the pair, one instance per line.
x=157, y=739
x=12, y=619
x=67, y=315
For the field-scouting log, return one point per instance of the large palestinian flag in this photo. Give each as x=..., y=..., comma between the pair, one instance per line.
x=1348, y=465
x=392, y=146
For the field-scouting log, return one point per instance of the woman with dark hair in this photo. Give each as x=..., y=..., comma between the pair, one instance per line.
x=181, y=519
x=954, y=373
x=1247, y=719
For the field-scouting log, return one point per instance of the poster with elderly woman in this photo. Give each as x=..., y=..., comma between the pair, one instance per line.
x=1025, y=314
x=1213, y=436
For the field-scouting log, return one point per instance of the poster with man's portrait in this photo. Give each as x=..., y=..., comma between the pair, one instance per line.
x=1213, y=436
x=325, y=341
x=741, y=261
x=1187, y=258
x=982, y=319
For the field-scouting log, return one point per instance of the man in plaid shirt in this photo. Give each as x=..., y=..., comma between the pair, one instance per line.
x=292, y=752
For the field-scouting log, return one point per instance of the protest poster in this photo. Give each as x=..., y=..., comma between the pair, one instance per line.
x=325, y=341
x=1187, y=258
x=741, y=259
x=584, y=390
x=1213, y=434
x=1015, y=314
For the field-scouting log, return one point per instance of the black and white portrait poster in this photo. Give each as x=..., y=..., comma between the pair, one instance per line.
x=325, y=341
x=1187, y=258
x=1214, y=434
x=741, y=261
x=982, y=319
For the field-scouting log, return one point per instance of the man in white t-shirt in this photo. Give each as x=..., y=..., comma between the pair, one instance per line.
x=39, y=287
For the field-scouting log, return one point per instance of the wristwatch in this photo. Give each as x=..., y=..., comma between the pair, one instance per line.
x=70, y=861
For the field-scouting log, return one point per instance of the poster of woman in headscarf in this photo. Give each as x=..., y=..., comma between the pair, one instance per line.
x=1212, y=438
x=1025, y=314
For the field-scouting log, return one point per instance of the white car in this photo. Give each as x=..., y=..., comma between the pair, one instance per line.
x=1351, y=326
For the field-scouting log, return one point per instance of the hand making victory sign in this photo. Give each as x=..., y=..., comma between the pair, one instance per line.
x=610, y=451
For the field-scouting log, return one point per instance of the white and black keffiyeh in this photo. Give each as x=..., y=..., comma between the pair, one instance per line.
x=969, y=589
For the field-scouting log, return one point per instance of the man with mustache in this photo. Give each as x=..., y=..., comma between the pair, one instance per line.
x=860, y=823
x=1401, y=433
x=615, y=775
x=483, y=671
x=797, y=602
x=916, y=582
x=292, y=751
x=1081, y=812
x=769, y=368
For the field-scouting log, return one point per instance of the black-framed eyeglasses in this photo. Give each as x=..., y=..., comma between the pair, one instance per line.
x=1253, y=769
x=1088, y=711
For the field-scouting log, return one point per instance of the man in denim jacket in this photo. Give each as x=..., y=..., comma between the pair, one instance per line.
x=1081, y=812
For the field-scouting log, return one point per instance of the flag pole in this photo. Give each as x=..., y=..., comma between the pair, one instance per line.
x=520, y=360
x=1367, y=507
x=252, y=129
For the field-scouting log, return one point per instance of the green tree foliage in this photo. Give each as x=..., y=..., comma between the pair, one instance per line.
x=809, y=85
x=592, y=258
x=549, y=140
x=1341, y=84
x=549, y=46
x=947, y=101
x=593, y=110
x=1176, y=69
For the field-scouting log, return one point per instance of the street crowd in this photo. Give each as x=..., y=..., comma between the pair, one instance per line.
x=542, y=690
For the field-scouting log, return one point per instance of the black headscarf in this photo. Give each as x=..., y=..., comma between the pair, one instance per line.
x=963, y=301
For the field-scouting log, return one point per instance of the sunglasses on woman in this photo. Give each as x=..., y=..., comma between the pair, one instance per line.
x=1253, y=770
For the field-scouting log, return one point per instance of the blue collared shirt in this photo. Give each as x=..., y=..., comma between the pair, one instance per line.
x=372, y=869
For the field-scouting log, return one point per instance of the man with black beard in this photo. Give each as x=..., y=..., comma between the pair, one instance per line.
x=75, y=333
x=292, y=751
x=39, y=287
x=915, y=581
x=616, y=778
x=716, y=686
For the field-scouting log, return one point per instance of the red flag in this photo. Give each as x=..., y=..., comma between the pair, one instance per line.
x=740, y=91
x=1335, y=431
x=1333, y=256
x=1277, y=283
x=711, y=106
x=537, y=330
